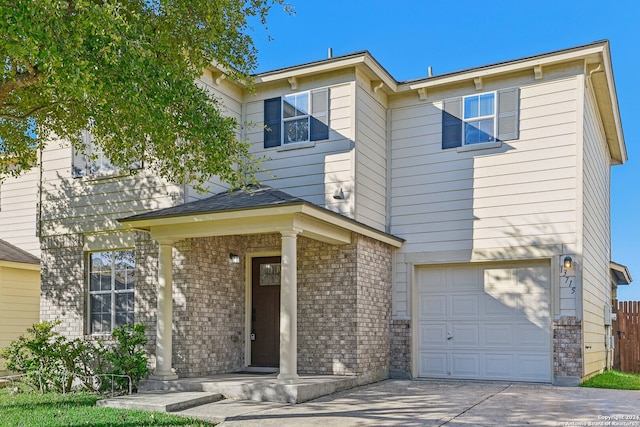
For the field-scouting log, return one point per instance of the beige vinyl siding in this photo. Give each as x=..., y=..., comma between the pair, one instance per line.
x=89, y=205
x=18, y=211
x=490, y=203
x=371, y=160
x=312, y=173
x=19, y=302
x=597, y=238
x=229, y=98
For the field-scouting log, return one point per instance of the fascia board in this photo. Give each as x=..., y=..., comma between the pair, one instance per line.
x=591, y=54
x=20, y=265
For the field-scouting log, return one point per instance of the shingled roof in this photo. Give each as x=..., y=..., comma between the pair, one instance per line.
x=8, y=252
x=251, y=198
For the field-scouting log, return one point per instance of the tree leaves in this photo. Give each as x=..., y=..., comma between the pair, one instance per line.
x=127, y=70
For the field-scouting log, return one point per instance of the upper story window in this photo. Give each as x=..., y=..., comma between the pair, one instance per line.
x=482, y=118
x=94, y=163
x=111, y=290
x=295, y=118
x=479, y=118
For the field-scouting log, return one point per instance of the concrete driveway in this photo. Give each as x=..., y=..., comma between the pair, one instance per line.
x=439, y=403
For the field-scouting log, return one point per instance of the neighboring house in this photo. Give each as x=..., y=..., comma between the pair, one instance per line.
x=455, y=226
x=19, y=293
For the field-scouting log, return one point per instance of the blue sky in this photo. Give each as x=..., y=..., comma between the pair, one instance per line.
x=407, y=36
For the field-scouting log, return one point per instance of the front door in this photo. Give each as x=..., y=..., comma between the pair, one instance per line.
x=265, y=312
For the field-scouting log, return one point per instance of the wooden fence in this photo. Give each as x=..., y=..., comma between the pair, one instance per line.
x=626, y=332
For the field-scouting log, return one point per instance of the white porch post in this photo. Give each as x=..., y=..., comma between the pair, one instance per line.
x=289, y=309
x=164, y=342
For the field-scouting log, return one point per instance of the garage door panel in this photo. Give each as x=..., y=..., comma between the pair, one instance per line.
x=498, y=335
x=531, y=336
x=500, y=306
x=464, y=278
x=533, y=367
x=465, y=365
x=464, y=306
x=433, y=364
x=498, y=366
x=433, y=306
x=433, y=335
x=498, y=318
x=465, y=334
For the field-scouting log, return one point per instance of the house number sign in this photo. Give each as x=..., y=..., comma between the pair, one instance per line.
x=568, y=278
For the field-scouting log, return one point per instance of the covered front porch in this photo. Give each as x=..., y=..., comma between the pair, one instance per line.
x=197, y=263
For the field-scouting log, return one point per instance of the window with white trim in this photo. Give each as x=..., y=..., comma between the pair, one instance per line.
x=111, y=284
x=481, y=118
x=93, y=161
x=296, y=118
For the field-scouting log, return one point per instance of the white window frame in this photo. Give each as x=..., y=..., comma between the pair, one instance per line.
x=113, y=292
x=493, y=116
x=96, y=164
x=284, y=120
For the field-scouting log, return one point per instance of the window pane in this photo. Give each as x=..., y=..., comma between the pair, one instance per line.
x=486, y=104
x=471, y=107
x=124, y=308
x=478, y=131
x=486, y=130
x=124, y=270
x=471, y=133
x=295, y=105
x=296, y=130
x=100, y=278
x=100, y=315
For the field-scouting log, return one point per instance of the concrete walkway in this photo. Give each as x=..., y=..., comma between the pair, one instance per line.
x=438, y=403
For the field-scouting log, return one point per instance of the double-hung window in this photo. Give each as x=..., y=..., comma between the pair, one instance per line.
x=111, y=290
x=296, y=118
x=93, y=162
x=480, y=118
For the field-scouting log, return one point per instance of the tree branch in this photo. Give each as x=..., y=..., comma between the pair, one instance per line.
x=29, y=78
x=28, y=113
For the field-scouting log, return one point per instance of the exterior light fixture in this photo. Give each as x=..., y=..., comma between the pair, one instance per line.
x=338, y=194
x=234, y=259
x=568, y=262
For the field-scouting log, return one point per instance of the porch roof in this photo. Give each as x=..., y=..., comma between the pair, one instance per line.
x=259, y=209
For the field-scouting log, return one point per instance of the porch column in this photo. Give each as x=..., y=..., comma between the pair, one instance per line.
x=164, y=342
x=289, y=309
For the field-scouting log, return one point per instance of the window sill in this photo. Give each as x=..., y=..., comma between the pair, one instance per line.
x=296, y=145
x=480, y=146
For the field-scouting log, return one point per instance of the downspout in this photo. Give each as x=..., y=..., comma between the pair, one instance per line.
x=40, y=172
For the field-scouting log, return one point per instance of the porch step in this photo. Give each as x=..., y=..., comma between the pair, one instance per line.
x=258, y=387
x=162, y=401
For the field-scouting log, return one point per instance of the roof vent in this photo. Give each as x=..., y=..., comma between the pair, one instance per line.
x=330, y=53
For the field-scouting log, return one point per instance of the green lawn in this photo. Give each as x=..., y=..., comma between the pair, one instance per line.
x=614, y=379
x=31, y=409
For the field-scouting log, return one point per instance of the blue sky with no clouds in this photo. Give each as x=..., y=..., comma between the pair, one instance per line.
x=407, y=36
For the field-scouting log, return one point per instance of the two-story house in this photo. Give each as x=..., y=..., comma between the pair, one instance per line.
x=455, y=226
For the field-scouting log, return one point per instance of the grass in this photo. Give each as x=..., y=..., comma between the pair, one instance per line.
x=614, y=379
x=34, y=409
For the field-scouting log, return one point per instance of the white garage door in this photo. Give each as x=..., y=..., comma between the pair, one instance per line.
x=485, y=322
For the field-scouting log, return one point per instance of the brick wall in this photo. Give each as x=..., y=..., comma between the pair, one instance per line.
x=209, y=307
x=400, y=349
x=327, y=314
x=567, y=350
x=373, y=282
x=62, y=288
x=146, y=253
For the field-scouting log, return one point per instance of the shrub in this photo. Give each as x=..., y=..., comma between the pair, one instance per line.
x=126, y=356
x=51, y=362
